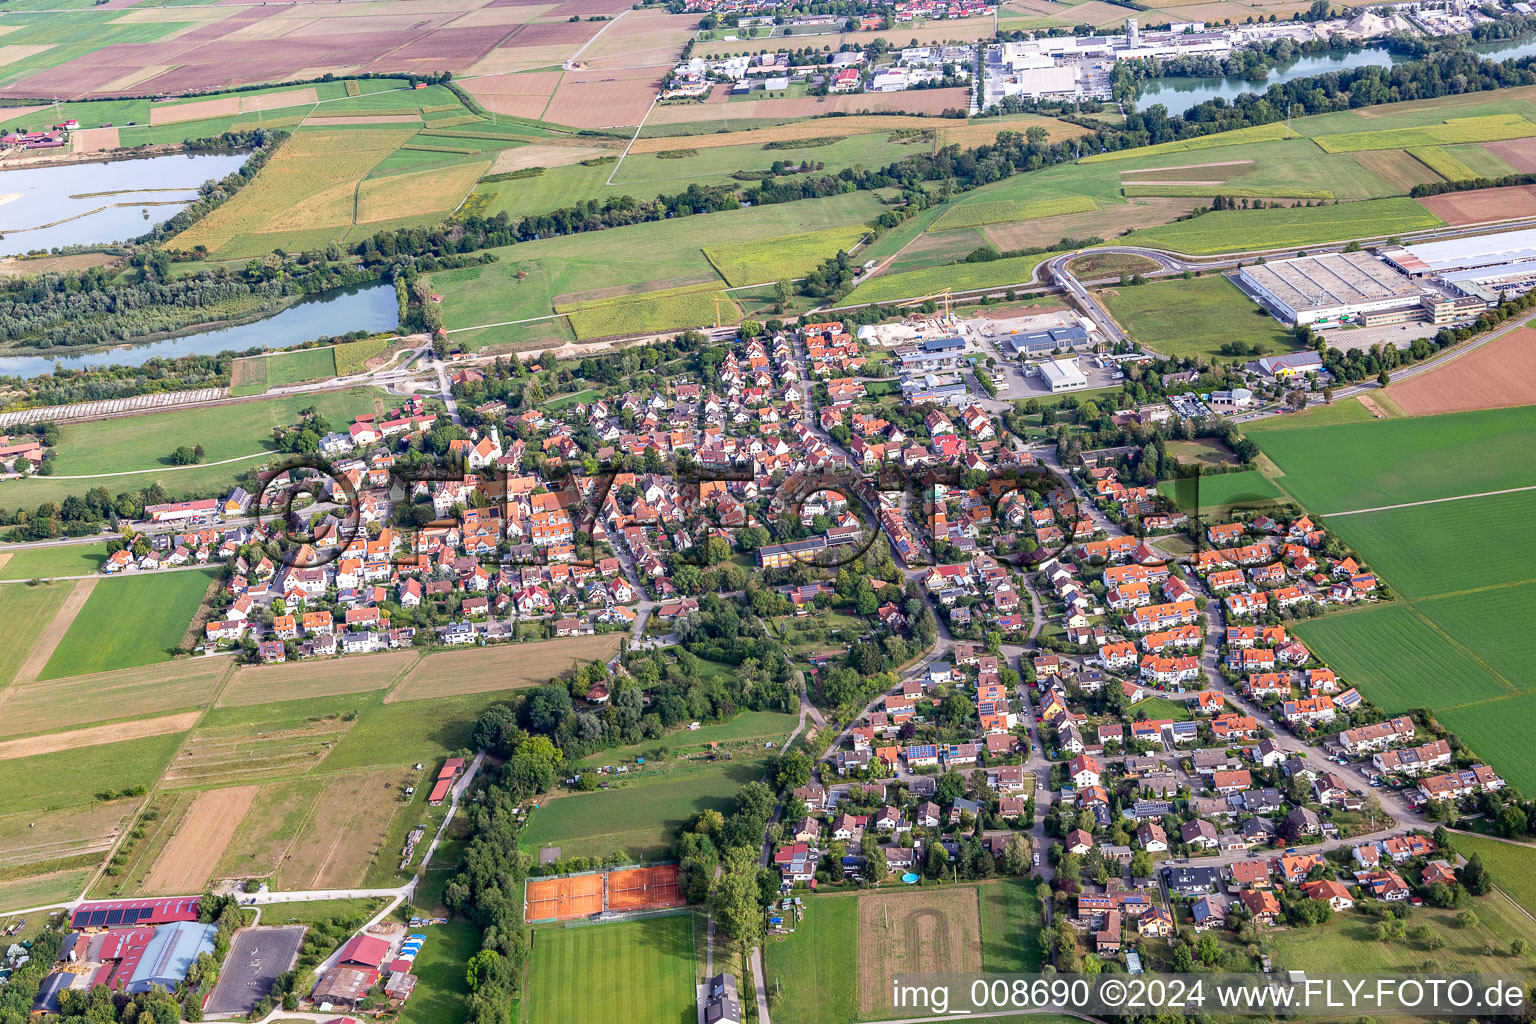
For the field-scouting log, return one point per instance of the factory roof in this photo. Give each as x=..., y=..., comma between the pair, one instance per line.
x=1060, y=371
x=1465, y=253
x=1330, y=279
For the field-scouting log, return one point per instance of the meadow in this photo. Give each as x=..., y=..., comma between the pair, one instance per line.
x=140, y=447
x=1512, y=865
x=1286, y=227
x=1221, y=493
x=64, y=560
x=126, y=622
x=774, y=259
x=978, y=214
x=442, y=992
x=746, y=725
x=83, y=700
x=1348, y=939
x=638, y=817
x=503, y=667
x=295, y=367
x=1194, y=317
x=1485, y=128
x=646, y=969
x=1015, y=270
x=810, y=974
x=1241, y=136
x=1011, y=919
x=69, y=777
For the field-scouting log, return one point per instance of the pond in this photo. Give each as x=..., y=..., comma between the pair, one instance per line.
x=102, y=201
x=1178, y=93
x=325, y=314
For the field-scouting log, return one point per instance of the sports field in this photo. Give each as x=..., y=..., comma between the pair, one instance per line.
x=1195, y=317
x=136, y=620
x=639, y=971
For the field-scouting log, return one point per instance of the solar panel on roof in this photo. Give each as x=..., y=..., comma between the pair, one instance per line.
x=98, y=918
x=143, y=913
x=115, y=917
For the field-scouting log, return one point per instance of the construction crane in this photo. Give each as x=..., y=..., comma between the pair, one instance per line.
x=945, y=295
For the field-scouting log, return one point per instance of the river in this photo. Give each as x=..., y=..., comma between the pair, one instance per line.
x=340, y=311
x=103, y=201
x=1178, y=93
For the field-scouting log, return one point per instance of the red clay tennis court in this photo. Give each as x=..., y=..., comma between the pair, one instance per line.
x=561, y=899
x=639, y=888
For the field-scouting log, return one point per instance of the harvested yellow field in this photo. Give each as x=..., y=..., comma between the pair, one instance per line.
x=298, y=680
x=187, y=862
x=96, y=735
x=268, y=829
x=247, y=753
x=309, y=183
x=826, y=128
x=984, y=132
x=439, y=190
x=79, y=700
x=502, y=667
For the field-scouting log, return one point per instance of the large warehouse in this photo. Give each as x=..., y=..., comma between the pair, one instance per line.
x=1333, y=287
x=1063, y=375
x=1432, y=259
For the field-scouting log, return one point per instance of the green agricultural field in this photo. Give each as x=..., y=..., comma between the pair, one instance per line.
x=1258, y=133
x=136, y=620
x=69, y=777
x=1011, y=920
x=390, y=734
x=26, y=612
x=650, y=312
x=1512, y=865
x=1486, y=128
x=298, y=367
x=1230, y=191
x=1347, y=939
x=1397, y=660
x=40, y=890
x=636, y=971
x=1247, y=230
x=972, y=215
x=1221, y=492
x=64, y=560
x=1495, y=731
x=352, y=357
x=1004, y=273
x=774, y=259
x=628, y=260
x=812, y=974
x=140, y=447
x=1480, y=620
x=1177, y=318
x=1442, y=162
x=637, y=818
x=1329, y=415
x=1388, y=462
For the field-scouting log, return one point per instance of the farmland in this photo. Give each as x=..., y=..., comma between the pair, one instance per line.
x=257, y=374
x=297, y=680
x=67, y=560
x=961, y=277
x=1492, y=376
x=1195, y=317
x=650, y=312
x=1486, y=128
x=637, y=818
x=978, y=214
x=26, y=612
x=102, y=696
x=1220, y=493
x=791, y=256
x=1262, y=133
x=447, y=673
x=128, y=622
x=68, y=777
x=647, y=969
x=1240, y=230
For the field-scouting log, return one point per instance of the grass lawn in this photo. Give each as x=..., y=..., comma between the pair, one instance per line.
x=297, y=367
x=1334, y=414
x=1282, y=228
x=316, y=911
x=37, y=890
x=811, y=975
x=1158, y=708
x=26, y=612
x=640, y=972
x=387, y=734
x=774, y=259
x=442, y=995
x=1015, y=270
x=1220, y=492
x=64, y=560
x=1010, y=927
x=637, y=818
x=136, y=620
x=747, y=725
x=1195, y=317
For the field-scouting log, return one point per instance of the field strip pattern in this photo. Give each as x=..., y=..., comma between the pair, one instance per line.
x=1432, y=501
x=83, y=410
x=190, y=857
x=97, y=735
x=33, y=666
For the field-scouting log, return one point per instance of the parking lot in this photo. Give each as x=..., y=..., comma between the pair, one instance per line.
x=256, y=957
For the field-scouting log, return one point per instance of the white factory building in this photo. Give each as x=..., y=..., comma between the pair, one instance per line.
x=1333, y=288
x=1062, y=375
x=1481, y=266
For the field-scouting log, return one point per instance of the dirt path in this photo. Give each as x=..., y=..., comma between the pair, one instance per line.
x=96, y=735
x=43, y=649
x=188, y=860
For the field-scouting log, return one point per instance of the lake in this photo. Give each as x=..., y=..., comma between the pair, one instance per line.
x=102, y=201
x=326, y=314
x=1180, y=92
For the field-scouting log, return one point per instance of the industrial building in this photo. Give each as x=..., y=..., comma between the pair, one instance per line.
x=1484, y=267
x=1052, y=339
x=1333, y=288
x=1063, y=375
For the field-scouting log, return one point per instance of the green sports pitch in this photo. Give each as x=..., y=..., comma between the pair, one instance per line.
x=641, y=972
